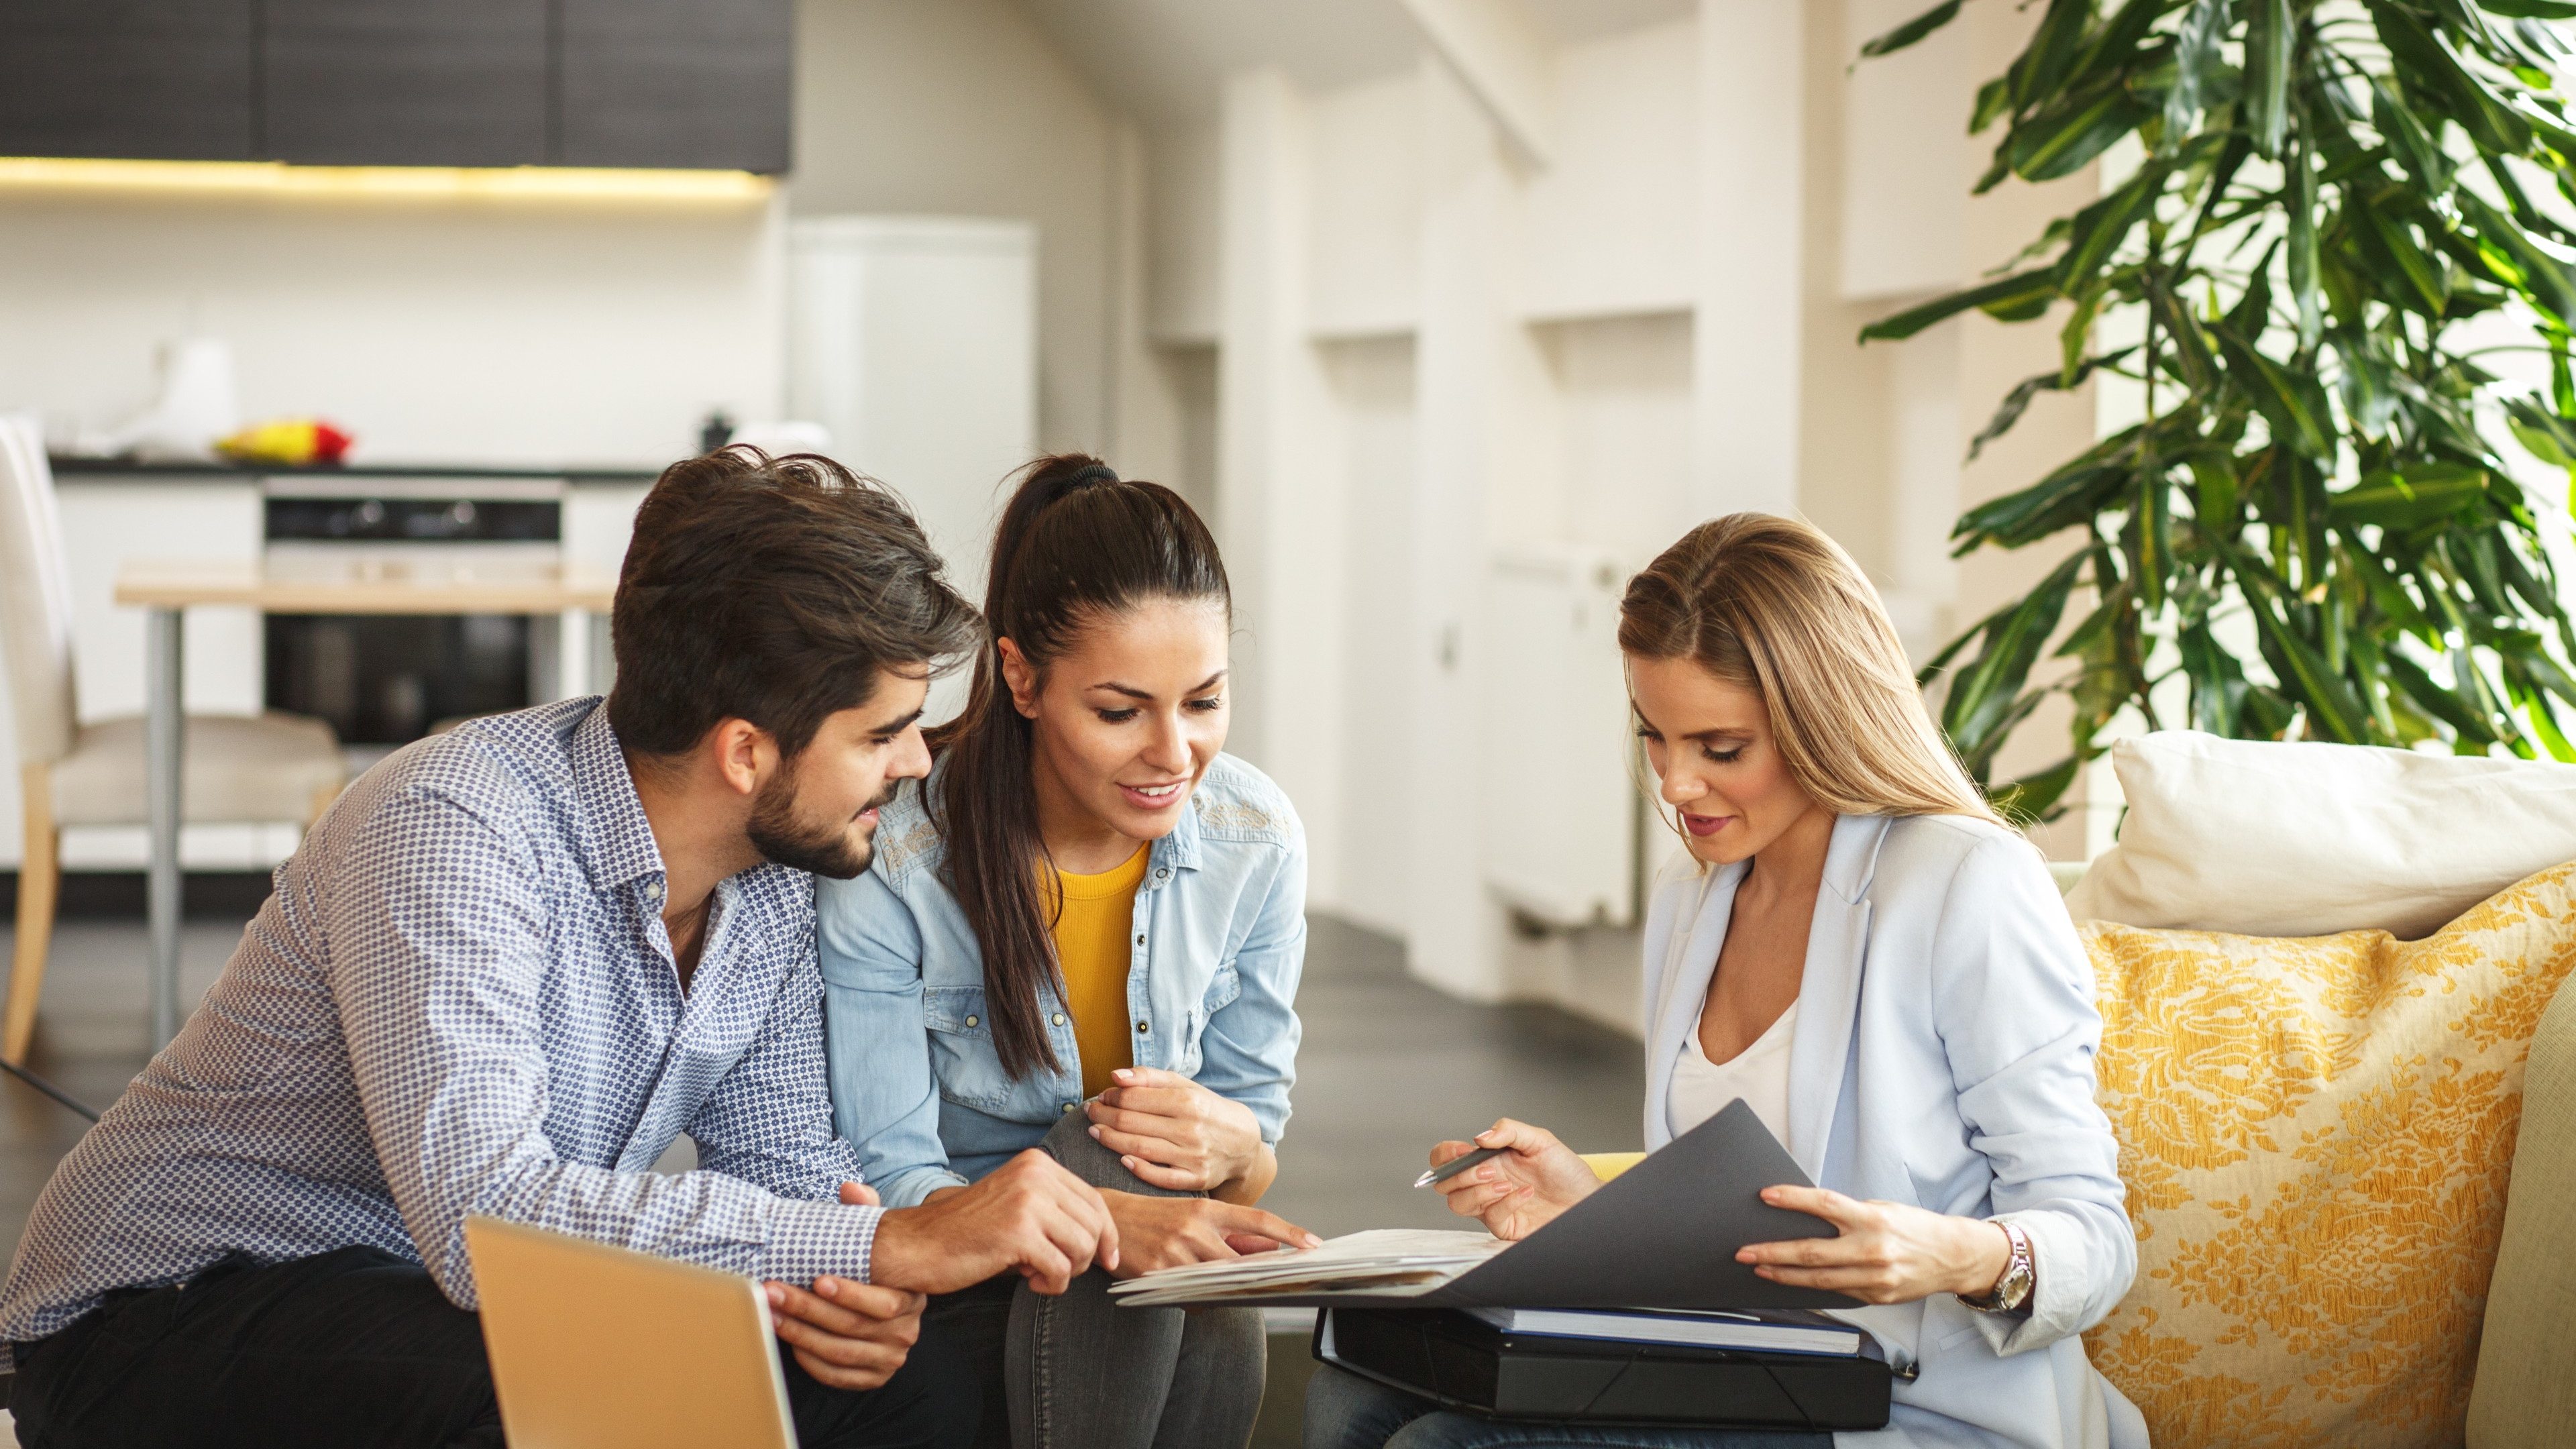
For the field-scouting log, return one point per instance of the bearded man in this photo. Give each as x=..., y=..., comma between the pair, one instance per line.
x=502, y=974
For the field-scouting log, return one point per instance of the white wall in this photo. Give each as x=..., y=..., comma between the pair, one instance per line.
x=964, y=108
x=1592, y=334
x=502, y=330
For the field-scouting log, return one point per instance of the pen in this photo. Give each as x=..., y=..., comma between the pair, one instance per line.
x=1456, y=1165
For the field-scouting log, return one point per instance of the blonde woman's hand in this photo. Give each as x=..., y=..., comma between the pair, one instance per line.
x=1522, y=1190
x=1887, y=1252
x=1174, y=1133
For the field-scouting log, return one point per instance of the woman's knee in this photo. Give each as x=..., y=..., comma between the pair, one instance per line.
x=1070, y=1143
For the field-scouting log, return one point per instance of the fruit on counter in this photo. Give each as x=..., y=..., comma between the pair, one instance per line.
x=293, y=442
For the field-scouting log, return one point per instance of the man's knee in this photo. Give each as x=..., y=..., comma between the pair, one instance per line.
x=935, y=1401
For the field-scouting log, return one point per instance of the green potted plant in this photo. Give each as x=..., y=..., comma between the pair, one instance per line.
x=2323, y=195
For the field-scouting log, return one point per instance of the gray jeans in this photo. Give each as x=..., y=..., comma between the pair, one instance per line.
x=1079, y=1372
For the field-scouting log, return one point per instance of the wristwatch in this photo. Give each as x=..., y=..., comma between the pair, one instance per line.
x=2012, y=1290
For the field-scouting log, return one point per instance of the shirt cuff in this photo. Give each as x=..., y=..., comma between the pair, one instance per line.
x=810, y=1240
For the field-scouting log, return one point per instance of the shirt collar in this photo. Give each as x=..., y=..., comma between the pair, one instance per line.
x=616, y=840
x=1180, y=849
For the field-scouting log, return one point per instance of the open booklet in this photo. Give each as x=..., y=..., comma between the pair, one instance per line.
x=1663, y=1234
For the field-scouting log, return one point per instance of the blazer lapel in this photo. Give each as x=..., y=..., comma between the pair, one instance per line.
x=1829, y=991
x=1690, y=960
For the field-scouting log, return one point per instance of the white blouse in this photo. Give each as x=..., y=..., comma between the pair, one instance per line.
x=1759, y=1074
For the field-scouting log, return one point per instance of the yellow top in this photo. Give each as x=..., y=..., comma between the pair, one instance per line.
x=1091, y=943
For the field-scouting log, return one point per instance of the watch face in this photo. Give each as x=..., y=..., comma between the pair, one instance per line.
x=2017, y=1283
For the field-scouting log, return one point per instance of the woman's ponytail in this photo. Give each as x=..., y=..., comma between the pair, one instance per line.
x=1075, y=543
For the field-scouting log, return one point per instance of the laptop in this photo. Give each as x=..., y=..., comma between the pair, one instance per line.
x=595, y=1347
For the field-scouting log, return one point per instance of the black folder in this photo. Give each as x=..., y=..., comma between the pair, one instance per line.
x=1663, y=1234
x=1461, y=1362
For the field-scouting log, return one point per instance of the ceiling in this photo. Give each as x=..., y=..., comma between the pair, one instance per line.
x=1165, y=61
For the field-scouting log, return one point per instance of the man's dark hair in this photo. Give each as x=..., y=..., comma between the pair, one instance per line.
x=772, y=590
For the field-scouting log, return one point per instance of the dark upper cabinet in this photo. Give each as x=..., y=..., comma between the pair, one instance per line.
x=147, y=79
x=678, y=83
x=675, y=83
x=404, y=82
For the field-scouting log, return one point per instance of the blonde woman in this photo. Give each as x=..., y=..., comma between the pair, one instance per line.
x=1880, y=967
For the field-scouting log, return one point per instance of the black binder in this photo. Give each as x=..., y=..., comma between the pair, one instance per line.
x=1461, y=1362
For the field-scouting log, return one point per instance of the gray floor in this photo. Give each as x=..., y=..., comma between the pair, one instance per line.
x=1388, y=1067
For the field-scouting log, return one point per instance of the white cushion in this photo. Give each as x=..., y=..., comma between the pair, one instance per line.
x=2267, y=839
x=238, y=770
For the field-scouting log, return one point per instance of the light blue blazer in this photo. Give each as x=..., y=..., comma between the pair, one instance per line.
x=1943, y=1058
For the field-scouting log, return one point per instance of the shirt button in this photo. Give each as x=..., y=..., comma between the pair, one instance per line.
x=1059, y=1018
x=1163, y=872
x=1144, y=1028
x=1140, y=940
x=970, y=1021
x=1067, y=1107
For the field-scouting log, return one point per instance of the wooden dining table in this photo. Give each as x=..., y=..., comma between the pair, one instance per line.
x=167, y=589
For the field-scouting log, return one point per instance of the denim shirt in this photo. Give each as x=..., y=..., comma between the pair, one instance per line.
x=1219, y=941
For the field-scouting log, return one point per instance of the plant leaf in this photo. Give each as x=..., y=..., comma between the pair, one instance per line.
x=2271, y=35
x=2295, y=406
x=2408, y=497
x=2017, y=401
x=1913, y=30
x=1985, y=692
x=2196, y=63
x=2005, y=295
x=2428, y=66
x=2063, y=138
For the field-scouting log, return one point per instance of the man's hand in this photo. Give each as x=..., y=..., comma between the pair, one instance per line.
x=1029, y=1214
x=849, y=1335
x=1165, y=1232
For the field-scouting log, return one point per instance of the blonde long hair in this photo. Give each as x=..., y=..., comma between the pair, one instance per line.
x=1774, y=605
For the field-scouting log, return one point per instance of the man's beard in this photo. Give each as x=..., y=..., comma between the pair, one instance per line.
x=823, y=850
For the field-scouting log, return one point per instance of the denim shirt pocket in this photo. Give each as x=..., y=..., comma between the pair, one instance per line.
x=961, y=1047
x=1223, y=988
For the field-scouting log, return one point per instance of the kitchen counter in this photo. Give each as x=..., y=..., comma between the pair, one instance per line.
x=73, y=467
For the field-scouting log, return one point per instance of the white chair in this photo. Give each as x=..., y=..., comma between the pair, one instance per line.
x=274, y=768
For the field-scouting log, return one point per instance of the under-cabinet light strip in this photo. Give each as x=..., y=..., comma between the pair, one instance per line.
x=278, y=178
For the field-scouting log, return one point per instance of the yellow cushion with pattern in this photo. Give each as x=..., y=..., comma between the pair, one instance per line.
x=2317, y=1135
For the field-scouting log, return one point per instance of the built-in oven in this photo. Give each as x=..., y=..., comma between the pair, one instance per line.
x=384, y=680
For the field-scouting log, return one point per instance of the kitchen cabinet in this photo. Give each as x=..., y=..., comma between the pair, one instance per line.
x=150, y=79
x=405, y=83
x=702, y=83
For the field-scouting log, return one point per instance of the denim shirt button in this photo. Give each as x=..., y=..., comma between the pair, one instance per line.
x=1067, y=1107
x=1059, y=1018
x=1162, y=872
x=1144, y=1028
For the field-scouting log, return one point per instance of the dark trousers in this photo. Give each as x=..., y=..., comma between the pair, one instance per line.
x=1079, y=1372
x=359, y=1347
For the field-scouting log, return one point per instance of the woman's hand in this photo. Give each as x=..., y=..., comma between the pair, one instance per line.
x=1524, y=1189
x=1888, y=1252
x=1173, y=1133
x=1166, y=1232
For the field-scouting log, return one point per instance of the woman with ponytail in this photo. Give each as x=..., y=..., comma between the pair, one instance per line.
x=1082, y=936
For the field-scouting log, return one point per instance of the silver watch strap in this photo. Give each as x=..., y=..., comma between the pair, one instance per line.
x=2013, y=1289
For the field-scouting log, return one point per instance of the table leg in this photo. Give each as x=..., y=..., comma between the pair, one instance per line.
x=164, y=746
x=578, y=669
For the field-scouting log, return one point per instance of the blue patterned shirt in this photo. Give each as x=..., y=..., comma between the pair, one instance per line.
x=460, y=999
